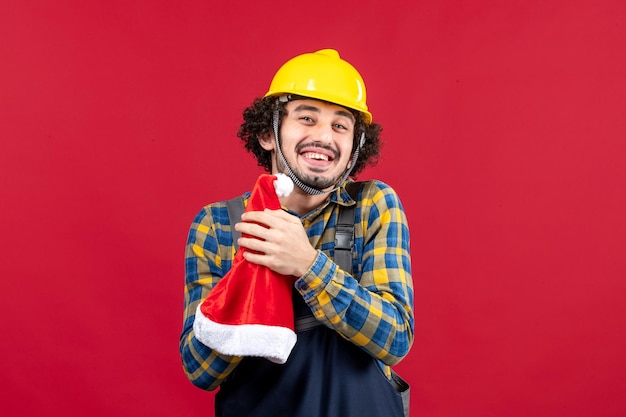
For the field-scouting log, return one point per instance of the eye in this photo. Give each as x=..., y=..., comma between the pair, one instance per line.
x=343, y=126
x=307, y=119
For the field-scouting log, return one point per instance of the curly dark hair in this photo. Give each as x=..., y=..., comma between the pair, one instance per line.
x=258, y=122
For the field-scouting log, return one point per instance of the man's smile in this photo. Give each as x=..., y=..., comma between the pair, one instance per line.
x=318, y=156
x=315, y=155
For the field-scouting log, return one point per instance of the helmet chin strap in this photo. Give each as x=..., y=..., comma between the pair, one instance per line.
x=297, y=181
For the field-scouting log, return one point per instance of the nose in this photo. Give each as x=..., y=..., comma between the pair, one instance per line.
x=324, y=133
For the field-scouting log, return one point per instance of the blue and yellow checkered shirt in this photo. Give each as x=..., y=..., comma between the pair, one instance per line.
x=373, y=309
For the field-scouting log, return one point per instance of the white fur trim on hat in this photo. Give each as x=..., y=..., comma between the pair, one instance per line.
x=283, y=185
x=271, y=342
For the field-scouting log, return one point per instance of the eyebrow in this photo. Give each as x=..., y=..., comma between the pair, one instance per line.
x=304, y=107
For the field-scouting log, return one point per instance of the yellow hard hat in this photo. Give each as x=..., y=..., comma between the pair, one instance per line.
x=322, y=75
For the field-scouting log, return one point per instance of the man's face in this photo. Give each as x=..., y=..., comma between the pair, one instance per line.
x=316, y=139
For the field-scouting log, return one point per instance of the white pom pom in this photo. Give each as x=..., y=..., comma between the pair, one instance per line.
x=283, y=185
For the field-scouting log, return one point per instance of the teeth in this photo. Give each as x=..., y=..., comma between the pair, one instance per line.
x=313, y=155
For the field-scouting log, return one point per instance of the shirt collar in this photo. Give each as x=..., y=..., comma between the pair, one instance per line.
x=341, y=195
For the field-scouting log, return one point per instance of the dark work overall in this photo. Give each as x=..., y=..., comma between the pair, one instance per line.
x=325, y=376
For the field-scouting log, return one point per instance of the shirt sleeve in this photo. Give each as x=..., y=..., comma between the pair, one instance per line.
x=373, y=311
x=204, y=267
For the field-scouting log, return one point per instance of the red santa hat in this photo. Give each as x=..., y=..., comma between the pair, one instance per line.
x=249, y=312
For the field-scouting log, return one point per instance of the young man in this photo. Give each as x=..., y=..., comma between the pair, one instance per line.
x=313, y=125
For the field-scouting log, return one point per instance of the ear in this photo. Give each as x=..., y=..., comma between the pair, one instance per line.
x=267, y=141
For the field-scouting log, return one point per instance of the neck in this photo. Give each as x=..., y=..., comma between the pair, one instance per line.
x=301, y=202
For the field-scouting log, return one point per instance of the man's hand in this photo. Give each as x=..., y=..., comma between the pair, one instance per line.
x=282, y=245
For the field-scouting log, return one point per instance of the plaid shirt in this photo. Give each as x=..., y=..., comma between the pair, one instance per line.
x=373, y=309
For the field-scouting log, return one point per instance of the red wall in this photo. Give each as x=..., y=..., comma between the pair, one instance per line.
x=504, y=126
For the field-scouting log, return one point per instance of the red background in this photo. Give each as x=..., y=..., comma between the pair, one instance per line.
x=504, y=127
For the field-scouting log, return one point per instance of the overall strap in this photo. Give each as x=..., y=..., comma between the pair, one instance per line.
x=344, y=231
x=235, y=210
